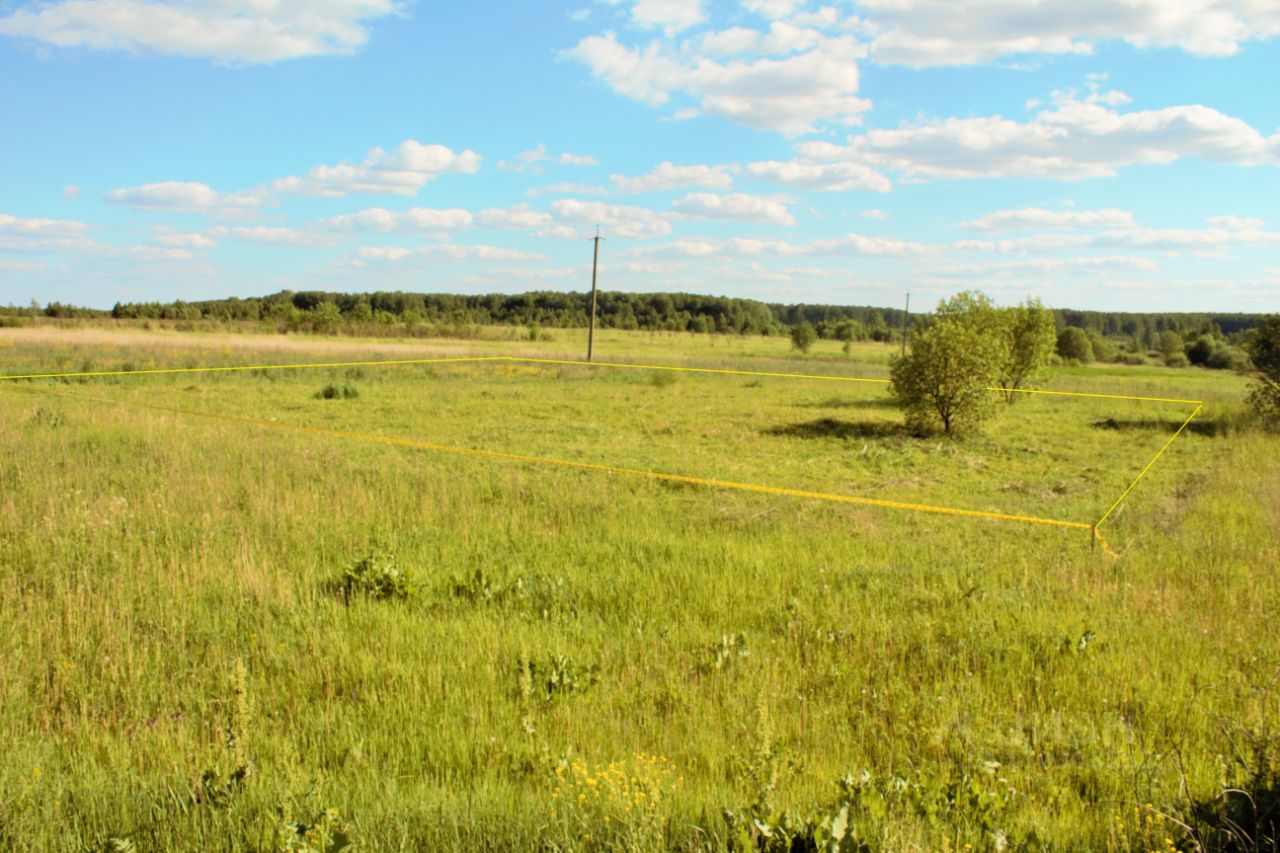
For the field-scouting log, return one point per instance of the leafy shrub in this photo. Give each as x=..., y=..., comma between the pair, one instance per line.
x=1178, y=359
x=337, y=392
x=554, y=677
x=1228, y=358
x=803, y=335
x=46, y=417
x=1074, y=344
x=376, y=576
x=9, y=322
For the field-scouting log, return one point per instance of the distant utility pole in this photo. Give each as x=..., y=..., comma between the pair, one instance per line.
x=595, y=261
x=906, y=320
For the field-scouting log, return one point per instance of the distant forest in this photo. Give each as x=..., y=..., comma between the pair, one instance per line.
x=332, y=312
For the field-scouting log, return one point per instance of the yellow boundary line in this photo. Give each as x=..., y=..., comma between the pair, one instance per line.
x=725, y=484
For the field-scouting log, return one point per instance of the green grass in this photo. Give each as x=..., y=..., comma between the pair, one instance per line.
x=175, y=608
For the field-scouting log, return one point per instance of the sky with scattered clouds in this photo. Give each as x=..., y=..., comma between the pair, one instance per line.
x=1095, y=154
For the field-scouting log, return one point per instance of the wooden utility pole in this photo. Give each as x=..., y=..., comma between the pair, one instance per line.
x=595, y=260
x=906, y=320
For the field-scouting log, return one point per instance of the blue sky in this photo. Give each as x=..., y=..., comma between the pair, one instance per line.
x=1091, y=153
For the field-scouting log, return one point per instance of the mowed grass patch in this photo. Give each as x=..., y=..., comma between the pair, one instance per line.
x=752, y=641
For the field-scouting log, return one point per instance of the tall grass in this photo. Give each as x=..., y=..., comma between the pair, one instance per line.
x=180, y=668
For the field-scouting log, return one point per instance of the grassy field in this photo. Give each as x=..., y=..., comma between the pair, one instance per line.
x=582, y=661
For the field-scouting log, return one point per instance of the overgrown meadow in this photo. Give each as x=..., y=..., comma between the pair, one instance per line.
x=230, y=635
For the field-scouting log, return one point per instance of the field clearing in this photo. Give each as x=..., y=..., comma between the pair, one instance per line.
x=165, y=570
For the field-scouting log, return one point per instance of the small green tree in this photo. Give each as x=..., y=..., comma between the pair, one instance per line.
x=1074, y=345
x=803, y=335
x=1264, y=350
x=1171, y=344
x=1030, y=337
x=945, y=378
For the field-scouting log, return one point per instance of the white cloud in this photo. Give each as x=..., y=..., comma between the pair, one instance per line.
x=873, y=213
x=773, y=9
x=781, y=39
x=565, y=188
x=447, y=251
x=274, y=235
x=234, y=31
x=617, y=220
x=794, y=94
x=935, y=32
x=517, y=216
x=671, y=16
x=1078, y=137
x=1127, y=263
x=666, y=176
x=735, y=206
x=70, y=191
x=187, y=197
x=1236, y=222
x=415, y=219
x=824, y=177
x=186, y=240
x=568, y=159
x=404, y=171
x=18, y=226
x=849, y=244
x=1029, y=218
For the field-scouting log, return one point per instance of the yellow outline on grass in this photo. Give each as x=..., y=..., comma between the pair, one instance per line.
x=610, y=469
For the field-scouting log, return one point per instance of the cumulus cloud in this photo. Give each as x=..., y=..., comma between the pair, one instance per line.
x=735, y=206
x=823, y=177
x=667, y=176
x=569, y=159
x=793, y=94
x=186, y=240
x=18, y=226
x=516, y=216
x=848, y=244
x=618, y=220
x=415, y=219
x=232, y=31
x=404, y=171
x=930, y=32
x=671, y=16
x=446, y=251
x=274, y=235
x=1029, y=218
x=187, y=197
x=1077, y=137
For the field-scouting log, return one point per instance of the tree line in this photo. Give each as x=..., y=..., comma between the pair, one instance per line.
x=326, y=312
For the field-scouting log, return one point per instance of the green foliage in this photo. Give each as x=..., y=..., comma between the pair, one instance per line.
x=1227, y=357
x=945, y=377
x=1171, y=345
x=1074, y=345
x=377, y=576
x=1198, y=351
x=1103, y=348
x=803, y=336
x=337, y=392
x=325, y=832
x=1029, y=339
x=554, y=677
x=1264, y=351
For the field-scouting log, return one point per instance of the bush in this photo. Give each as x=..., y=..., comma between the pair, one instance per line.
x=1178, y=359
x=803, y=335
x=946, y=376
x=1074, y=344
x=337, y=392
x=1264, y=349
x=1171, y=344
x=376, y=576
x=1103, y=349
x=1200, y=351
x=1228, y=358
